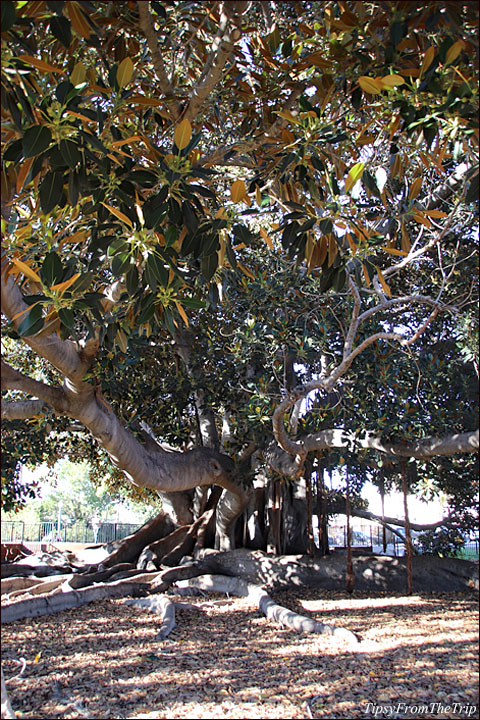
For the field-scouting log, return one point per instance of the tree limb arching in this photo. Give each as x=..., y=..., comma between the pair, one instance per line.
x=396, y=522
x=427, y=447
x=169, y=472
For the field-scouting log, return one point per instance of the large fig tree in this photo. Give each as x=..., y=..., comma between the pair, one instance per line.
x=149, y=148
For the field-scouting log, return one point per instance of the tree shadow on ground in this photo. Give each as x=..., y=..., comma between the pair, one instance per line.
x=226, y=658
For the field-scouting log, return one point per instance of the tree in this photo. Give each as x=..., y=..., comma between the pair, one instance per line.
x=150, y=148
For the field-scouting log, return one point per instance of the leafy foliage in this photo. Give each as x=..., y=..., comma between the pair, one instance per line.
x=445, y=542
x=229, y=170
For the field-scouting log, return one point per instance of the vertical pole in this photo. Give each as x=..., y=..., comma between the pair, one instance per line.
x=408, y=537
x=59, y=518
x=350, y=574
x=382, y=498
x=322, y=515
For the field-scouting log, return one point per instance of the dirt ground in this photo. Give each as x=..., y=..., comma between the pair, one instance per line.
x=417, y=658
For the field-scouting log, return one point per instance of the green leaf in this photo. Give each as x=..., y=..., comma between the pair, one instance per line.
x=35, y=140
x=189, y=217
x=193, y=303
x=66, y=317
x=50, y=191
x=209, y=265
x=73, y=188
x=131, y=280
x=143, y=178
x=14, y=151
x=147, y=309
x=70, y=153
x=339, y=280
x=356, y=98
x=370, y=184
x=157, y=273
x=230, y=255
x=242, y=234
x=61, y=29
x=397, y=32
x=354, y=175
x=471, y=195
x=171, y=236
x=168, y=322
x=327, y=278
x=51, y=271
x=8, y=15
x=121, y=263
x=155, y=208
x=210, y=244
x=32, y=323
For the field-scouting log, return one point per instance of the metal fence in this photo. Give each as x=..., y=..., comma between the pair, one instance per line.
x=361, y=535
x=48, y=531
x=469, y=551
x=365, y=536
x=371, y=536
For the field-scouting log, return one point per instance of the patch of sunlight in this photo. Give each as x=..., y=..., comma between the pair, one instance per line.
x=352, y=604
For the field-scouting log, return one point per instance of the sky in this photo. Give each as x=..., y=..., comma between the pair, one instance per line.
x=418, y=511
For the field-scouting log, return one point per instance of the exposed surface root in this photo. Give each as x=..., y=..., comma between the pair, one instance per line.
x=160, y=605
x=58, y=601
x=278, y=614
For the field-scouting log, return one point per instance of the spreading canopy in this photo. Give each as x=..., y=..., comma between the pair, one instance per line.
x=149, y=148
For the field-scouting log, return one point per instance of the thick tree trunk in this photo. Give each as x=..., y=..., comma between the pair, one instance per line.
x=295, y=517
x=255, y=519
x=309, y=512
